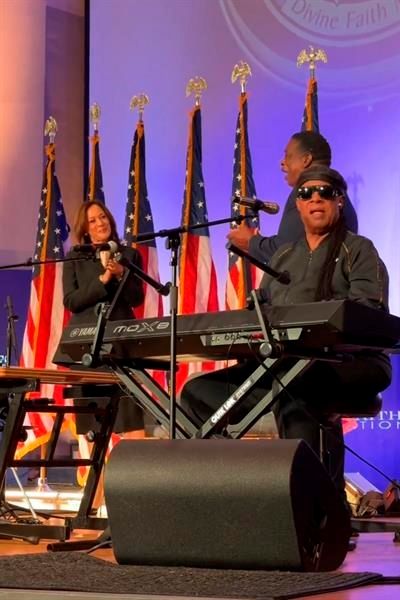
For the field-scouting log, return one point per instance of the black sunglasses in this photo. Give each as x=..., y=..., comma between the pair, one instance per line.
x=327, y=192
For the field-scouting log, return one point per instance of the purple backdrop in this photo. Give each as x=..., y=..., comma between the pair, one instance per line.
x=15, y=284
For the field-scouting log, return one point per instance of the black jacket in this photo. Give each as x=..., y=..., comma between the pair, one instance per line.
x=359, y=273
x=83, y=290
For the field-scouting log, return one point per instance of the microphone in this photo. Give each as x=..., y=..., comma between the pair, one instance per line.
x=94, y=248
x=107, y=251
x=255, y=204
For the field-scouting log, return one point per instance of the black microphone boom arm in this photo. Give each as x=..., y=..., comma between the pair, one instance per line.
x=281, y=276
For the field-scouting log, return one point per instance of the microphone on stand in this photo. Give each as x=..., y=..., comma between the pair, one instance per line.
x=103, y=251
x=255, y=204
x=85, y=248
x=93, y=248
x=107, y=251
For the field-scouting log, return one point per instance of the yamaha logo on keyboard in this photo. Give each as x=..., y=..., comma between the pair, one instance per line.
x=82, y=332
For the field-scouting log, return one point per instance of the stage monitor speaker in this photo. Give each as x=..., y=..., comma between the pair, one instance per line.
x=247, y=504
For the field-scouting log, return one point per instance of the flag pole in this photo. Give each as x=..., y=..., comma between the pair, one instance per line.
x=95, y=114
x=310, y=116
x=311, y=57
x=95, y=183
x=139, y=102
x=241, y=71
x=50, y=129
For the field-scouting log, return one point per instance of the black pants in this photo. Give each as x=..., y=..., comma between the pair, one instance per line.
x=308, y=403
x=129, y=415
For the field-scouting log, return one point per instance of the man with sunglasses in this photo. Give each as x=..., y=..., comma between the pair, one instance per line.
x=327, y=263
x=304, y=149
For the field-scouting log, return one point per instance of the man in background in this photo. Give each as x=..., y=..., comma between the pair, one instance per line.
x=304, y=149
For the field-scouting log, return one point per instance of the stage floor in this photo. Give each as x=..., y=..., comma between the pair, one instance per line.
x=375, y=552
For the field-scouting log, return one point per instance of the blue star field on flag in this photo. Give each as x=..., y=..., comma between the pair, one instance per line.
x=138, y=214
x=243, y=171
x=52, y=229
x=195, y=182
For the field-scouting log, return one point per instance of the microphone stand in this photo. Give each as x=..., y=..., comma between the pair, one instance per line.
x=172, y=243
x=270, y=346
x=11, y=336
x=281, y=276
x=92, y=358
x=32, y=263
x=11, y=345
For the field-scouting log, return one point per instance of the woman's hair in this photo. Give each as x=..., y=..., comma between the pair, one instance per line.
x=336, y=239
x=81, y=225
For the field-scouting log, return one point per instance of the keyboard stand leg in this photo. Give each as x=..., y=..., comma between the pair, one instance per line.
x=153, y=398
x=263, y=406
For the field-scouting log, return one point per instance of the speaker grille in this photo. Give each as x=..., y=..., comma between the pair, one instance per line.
x=259, y=504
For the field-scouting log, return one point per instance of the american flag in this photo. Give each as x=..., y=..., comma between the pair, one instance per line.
x=46, y=314
x=310, y=121
x=139, y=219
x=242, y=277
x=95, y=187
x=198, y=290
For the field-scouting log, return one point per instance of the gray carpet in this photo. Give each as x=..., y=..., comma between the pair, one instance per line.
x=79, y=572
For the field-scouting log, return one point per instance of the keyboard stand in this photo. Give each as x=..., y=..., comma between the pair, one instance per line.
x=273, y=352
x=138, y=383
x=263, y=406
x=152, y=397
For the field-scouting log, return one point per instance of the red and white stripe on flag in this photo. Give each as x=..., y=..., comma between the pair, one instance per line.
x=242, y=277
x=152, y=304
x=198, y=290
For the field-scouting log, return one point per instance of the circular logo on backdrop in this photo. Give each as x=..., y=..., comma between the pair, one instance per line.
x=360, y=39
x=339, y=22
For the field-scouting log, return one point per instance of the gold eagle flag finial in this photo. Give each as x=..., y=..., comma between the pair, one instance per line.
x=139, y=102
x=242, y=72
x=196, y=86
x=95, y=114
x=50, y=129
x=311, y=57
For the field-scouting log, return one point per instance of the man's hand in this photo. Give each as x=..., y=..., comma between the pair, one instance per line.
x=241, y=236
